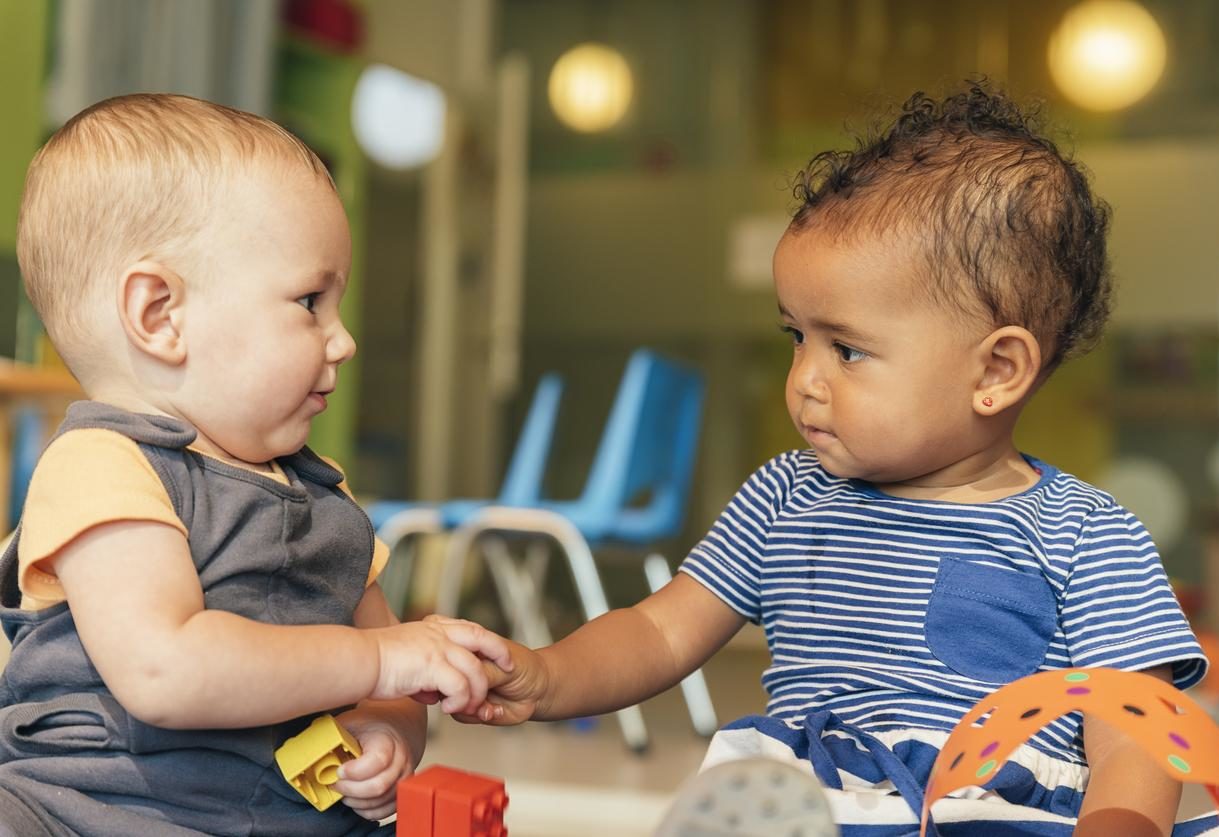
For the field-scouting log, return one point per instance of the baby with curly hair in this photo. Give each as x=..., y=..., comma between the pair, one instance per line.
x=911, y=560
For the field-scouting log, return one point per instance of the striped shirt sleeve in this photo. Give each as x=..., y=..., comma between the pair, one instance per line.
x=728, y=560
x=1118, y=608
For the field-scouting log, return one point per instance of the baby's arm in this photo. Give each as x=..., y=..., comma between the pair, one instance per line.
x=135, y=596
x=392, y=733
x=616, y=660
x=1127, y=793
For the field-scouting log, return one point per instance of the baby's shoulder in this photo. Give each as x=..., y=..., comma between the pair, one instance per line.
x=90, y=449
x=1065, y=491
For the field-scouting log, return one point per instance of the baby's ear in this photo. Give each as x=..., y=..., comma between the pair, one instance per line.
x=151, y=299
x=1010, y=365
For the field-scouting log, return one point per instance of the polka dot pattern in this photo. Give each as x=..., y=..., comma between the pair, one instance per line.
x=1162, y=720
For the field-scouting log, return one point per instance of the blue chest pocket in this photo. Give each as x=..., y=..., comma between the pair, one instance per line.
x=988, y=623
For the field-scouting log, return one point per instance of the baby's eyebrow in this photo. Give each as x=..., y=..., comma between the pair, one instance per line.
x=331, y=277
x=846, y=332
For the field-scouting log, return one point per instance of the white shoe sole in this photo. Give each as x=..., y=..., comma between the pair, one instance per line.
x=750, y=798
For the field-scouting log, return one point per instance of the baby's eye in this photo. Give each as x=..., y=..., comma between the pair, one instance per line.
x=796, y=335
x=309, y=301
x=848, y=355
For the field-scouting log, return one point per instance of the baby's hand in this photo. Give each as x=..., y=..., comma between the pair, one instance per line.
x=515, y=694
x=438, y=658
x=369, y=784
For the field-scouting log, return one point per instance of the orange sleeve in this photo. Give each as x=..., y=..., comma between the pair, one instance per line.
x=84, y=479
x=380, y=552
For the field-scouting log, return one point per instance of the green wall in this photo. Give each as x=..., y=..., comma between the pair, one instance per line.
x=23, y=46
x=23, y=38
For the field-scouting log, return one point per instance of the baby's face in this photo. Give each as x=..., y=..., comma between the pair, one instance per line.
x=881, y=381
x=264, y=339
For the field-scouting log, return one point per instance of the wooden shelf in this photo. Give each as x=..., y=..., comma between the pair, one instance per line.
x=18, y=379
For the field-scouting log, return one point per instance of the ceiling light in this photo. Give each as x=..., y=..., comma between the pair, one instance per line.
x=398, y=119
x=1107, y=54
x=590, y=87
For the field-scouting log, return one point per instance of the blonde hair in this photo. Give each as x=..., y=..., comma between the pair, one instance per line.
x=130, y=178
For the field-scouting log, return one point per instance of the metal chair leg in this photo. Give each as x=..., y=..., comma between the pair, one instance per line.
x=461, y=540
x=532, y=575
x=693, y=685
x=396, y=577
x=517, y=593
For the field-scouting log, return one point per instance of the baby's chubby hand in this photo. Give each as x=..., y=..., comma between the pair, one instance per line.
x=438, y=659
x=369, y=784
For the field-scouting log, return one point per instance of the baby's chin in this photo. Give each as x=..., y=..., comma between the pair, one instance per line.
x=834, y=466
x=263, y=451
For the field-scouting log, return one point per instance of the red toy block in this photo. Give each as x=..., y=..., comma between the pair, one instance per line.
x=443, y=802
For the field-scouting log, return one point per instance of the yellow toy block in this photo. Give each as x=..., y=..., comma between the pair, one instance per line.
x=310, y=761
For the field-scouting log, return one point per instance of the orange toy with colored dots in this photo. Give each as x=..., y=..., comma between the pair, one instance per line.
x=1159, y=718
x=443, y=802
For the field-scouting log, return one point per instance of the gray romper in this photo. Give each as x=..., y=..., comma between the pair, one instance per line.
x=72, y=761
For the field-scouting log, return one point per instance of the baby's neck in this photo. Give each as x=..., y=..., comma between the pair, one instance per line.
x=982, y=478
x=125, y=398
x=206, y=447
x=133, y=402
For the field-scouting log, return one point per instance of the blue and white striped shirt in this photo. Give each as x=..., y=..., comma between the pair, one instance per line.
x=899, y=614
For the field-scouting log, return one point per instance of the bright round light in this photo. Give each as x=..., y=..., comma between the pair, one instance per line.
x=1107, y=54
x=590, y=87
x=398, y=119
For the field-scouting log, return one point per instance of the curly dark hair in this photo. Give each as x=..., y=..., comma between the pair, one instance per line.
x=1000, y=212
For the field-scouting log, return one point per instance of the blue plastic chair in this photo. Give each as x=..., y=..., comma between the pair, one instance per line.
x=396, y=521
x=29, y=437
x=646, y=453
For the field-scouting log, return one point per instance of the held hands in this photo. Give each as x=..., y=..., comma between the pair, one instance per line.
x=439, y=660
x=436, y=660
x=516, y=693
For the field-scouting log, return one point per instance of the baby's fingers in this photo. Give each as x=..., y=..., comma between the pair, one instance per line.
x=450, y=683
x=489, y=713
x=495, y=675
x=476, y=639
x=471, y=669
x=377, y=757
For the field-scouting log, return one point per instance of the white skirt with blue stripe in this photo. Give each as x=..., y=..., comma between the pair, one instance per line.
x=875, y=782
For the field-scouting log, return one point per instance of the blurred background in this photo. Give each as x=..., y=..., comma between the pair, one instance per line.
x=544, y=186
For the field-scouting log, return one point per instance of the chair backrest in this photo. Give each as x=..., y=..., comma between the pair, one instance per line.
x=647, y=451
x=522, y=485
